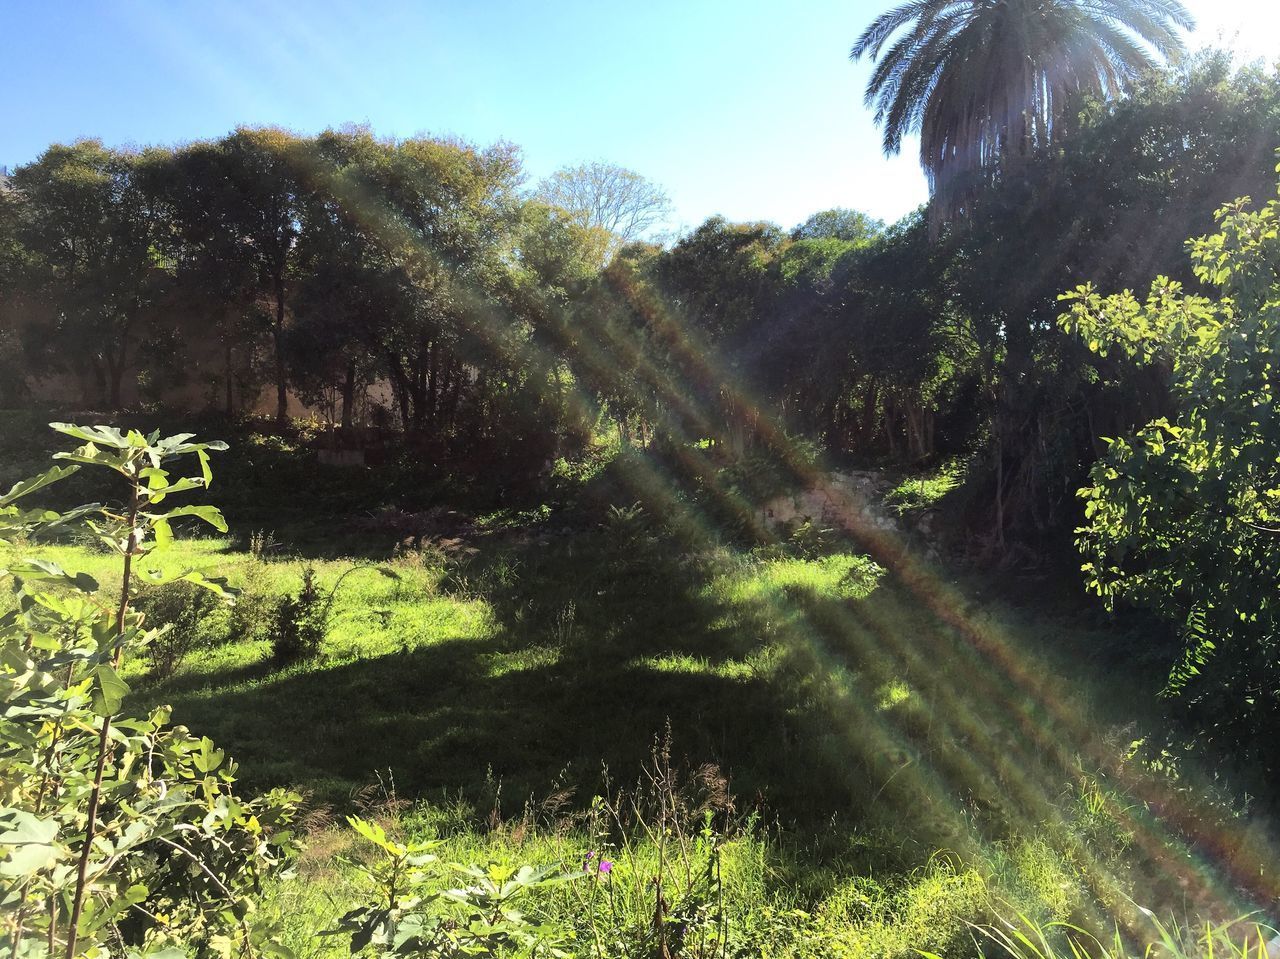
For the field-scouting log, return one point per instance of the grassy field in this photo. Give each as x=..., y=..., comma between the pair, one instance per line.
x=888, y=751
x=500, y=687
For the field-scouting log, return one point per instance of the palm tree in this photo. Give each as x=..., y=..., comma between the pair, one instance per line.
x=987, y=81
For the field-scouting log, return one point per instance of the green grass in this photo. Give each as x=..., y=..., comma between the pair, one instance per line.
x=932, y=907
x=859, y=731
x=926, y=490
x=908, y=755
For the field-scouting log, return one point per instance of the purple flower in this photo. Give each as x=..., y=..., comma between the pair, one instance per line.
x=606, y=866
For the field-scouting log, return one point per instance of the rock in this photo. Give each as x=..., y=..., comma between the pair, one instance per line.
x=847, y=500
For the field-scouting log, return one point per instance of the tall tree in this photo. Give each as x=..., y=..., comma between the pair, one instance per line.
x=450, y=209
x=986, y=81
x=1167, y=153
x=619, y=203
x=839, y=223
x=12, y=267
x=718, y=283
x=241, y=200
x=93, y=230
x=352, y=283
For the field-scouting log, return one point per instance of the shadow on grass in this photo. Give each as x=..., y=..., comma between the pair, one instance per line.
x=869, y=711
x=440, y=720
x=179, y=687
x=593, y=653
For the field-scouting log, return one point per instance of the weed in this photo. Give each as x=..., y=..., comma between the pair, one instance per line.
x=926, y=490
x=1024, y=938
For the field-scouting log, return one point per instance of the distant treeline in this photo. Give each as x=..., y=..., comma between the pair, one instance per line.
x=417, y=286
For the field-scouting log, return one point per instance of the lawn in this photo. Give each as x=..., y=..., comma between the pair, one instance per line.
x=886, y=749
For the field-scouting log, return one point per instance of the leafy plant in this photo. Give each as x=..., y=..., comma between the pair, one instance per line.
x=1183, y=516
x=117, y=834
x=1025, y=938
x=810, y=540
x=657, y=886
x=253, y=616
x=927, y=490
x=188, y=617
x=302, y=620
x=411, y=914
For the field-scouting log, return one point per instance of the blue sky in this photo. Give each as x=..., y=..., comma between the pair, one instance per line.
x=743, y=108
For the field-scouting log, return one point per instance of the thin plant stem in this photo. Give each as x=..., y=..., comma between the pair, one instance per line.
x=104, y=738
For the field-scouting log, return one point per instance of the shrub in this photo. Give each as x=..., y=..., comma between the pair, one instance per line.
x=187, y=617
x=253, y=617
x=301, y=621
x=1182, y=517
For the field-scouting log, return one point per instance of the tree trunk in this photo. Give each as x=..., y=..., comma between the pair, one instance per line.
x=870, y=405
x=400, y=386
x=891, y=427
x=1000, y=493
x=348, y=396
x=229, y=378
x=282, y=386
x=115, y=376
x=418, y=391
x=453, y=392
x=432, y=395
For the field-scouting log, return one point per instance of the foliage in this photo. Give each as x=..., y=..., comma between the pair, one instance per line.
x=116, y=833
x=92, y=227
x=301, y=621
x=1181, y=516
x=927, y=490
x=616, y=202
x=830, y=694
x=424, y=294
x=188, y=617
x=1038, y=399
x=1024, y=938
x=839, y=223
x=240, y=201
x=482, y=917
x=987, y=85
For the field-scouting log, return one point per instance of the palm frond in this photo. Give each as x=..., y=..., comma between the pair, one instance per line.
x=983, y=81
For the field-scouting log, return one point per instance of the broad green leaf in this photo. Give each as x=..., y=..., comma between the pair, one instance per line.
x=23, y=487
x=210, y=514
x=217, y=585
x=26, y=843
x=100, y=435
x=108, y=690
x=39, y=570
x=208, y=758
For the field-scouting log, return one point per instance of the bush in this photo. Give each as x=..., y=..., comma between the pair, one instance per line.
x=253, y=617
x=189, y=617
x=301, y=621
x=1181, y=517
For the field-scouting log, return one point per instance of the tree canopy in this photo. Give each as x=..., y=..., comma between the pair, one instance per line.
x=985, y=83
x=619, y=204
